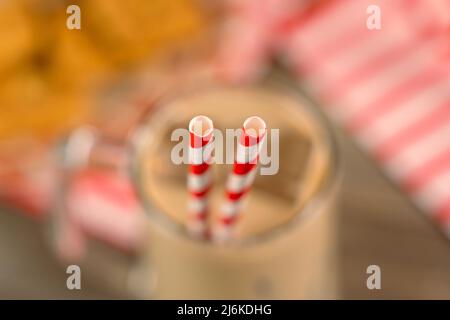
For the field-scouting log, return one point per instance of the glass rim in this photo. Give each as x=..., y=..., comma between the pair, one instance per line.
x=309, y=209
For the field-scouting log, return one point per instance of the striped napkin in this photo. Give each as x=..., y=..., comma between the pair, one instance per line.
x=388, y=87
x=99, y=205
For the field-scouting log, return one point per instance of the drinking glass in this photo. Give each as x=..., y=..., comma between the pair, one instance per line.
x=285, y=246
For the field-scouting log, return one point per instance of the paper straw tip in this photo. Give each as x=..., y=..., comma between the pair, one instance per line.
x=201, y=126
x=254, y=126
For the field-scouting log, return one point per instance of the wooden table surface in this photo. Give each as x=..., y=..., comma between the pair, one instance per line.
x=377, y=225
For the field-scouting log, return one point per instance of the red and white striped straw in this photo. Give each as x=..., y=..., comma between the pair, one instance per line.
x=199, y=178
x=240, y=180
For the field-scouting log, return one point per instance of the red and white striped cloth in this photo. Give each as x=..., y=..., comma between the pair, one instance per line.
x=390, y=88
x=101, y=205
x=240, y=180
x=199, y=178
x=27, y=182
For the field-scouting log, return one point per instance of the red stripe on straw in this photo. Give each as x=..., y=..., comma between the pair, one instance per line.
x=243, y=168
x=200, y=194
x=200, y=216
x=229, y=220
x=234, y=196
x=198, y=169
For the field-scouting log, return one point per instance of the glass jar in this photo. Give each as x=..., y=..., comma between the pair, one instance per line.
x=286, y=246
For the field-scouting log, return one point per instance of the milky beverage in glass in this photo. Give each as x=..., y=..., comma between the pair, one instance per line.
x=284, y=245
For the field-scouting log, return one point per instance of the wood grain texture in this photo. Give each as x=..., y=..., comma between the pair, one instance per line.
x=378, y=225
